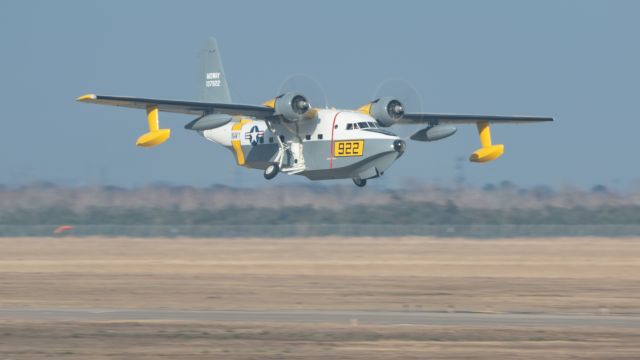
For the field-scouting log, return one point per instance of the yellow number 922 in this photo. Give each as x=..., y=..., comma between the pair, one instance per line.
x=348, y=148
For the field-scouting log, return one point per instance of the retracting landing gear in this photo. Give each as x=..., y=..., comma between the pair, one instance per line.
x=293, y=152
x=360, y=182
x=271, y=171
x=290, y=156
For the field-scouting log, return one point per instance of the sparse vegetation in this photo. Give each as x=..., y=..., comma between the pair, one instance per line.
x=427, y=205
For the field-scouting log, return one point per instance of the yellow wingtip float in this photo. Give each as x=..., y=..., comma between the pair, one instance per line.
x=155, y=136
x=488, y=151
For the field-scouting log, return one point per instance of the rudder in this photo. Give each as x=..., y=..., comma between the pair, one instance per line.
x=214, y=82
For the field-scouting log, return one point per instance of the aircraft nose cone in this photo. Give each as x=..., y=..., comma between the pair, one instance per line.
x=399, y=146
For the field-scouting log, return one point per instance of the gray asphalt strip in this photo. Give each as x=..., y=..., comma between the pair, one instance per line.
x=322, y=316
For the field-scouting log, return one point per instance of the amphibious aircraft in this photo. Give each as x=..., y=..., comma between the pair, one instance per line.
x=286, y=134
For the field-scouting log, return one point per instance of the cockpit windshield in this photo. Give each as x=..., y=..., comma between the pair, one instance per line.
x=362, y=125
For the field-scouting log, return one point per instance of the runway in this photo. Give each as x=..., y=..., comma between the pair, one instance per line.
x=313, y=316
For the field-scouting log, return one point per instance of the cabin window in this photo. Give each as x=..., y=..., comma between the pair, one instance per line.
x=335, y=127
x=355, y=126
x=372, y=125
x=308, y=137
x=271, y=140
x=282, y=138
x=363, y=125
x=349, y=126
x=319, y=136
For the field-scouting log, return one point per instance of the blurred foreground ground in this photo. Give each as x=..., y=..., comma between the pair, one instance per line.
x=577, y=276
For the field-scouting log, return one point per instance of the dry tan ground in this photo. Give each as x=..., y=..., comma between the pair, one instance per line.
x=560, y=275
x=177, y=340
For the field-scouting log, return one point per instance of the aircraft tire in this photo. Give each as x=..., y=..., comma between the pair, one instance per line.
x=271, y=171
x=360, y=182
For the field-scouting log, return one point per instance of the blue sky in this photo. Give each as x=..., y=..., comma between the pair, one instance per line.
x=574, y=60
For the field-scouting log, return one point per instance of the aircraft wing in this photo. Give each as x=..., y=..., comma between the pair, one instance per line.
x=488, y=151
x=178, y=106
x=468, y=119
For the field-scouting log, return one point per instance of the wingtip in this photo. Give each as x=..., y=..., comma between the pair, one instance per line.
x=86, y=97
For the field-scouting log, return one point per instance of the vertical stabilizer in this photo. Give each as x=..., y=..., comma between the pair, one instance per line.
x=213, y=80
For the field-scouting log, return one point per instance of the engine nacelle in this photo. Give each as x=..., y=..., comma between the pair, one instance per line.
x=433, y=133
x=387, y=111
x=292, y=107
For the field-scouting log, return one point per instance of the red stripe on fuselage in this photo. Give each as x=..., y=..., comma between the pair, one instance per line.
x=333, y=127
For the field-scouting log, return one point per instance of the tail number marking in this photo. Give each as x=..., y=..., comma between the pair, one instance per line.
x=213, y=79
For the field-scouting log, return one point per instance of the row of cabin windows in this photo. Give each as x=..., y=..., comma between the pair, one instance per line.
x=362, y=125
x=350, y=126
x=307, y=137
x=271, y=139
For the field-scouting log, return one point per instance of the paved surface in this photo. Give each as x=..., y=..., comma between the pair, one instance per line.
x=319, y=316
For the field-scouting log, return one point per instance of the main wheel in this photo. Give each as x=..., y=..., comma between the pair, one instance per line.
x=271, y=171
x=360, y=182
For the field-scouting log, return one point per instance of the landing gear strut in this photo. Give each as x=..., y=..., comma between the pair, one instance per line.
x=271, y=171
x=360, y=182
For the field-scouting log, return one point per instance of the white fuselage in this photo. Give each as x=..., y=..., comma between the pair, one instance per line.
x=330, y=145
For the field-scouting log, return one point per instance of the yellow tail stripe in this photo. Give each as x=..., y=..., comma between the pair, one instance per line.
x=237, y=146
x=238, y=126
